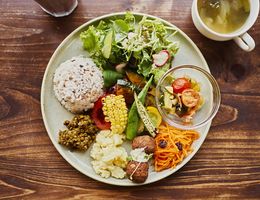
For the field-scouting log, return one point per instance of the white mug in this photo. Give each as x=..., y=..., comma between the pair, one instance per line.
x=240, y=36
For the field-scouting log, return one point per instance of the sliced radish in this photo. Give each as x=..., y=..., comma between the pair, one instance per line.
x=161, y=58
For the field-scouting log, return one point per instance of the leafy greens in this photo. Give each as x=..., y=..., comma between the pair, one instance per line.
x=125, y=41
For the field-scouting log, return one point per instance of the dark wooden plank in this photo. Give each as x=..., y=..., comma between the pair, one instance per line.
x=226, y=167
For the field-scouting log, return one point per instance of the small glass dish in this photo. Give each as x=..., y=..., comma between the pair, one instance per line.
x=209, y=90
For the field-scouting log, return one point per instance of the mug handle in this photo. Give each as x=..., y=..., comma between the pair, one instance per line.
x=245, y=42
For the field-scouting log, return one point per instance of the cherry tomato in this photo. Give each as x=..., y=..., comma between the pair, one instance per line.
x=181, y=84
x=98, y=116
x=190, y=98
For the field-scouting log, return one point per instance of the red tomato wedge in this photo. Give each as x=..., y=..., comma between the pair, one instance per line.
x=180, y=84
x=98, y=116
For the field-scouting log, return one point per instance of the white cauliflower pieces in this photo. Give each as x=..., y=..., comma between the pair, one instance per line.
x=109, y=157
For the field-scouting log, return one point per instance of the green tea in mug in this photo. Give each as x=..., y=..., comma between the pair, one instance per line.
x=224, y=16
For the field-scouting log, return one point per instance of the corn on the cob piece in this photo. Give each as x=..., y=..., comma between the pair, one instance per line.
x=115, y=111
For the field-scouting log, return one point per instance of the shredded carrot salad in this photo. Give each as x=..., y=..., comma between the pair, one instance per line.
x=172, y=146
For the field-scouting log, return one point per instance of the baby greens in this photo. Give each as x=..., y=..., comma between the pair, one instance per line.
x=125, y=41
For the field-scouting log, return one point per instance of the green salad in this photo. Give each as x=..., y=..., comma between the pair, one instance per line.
x=146, y=46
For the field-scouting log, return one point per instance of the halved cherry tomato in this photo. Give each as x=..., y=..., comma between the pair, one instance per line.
x=180, y=84
x=190, y=98
x=98, y=116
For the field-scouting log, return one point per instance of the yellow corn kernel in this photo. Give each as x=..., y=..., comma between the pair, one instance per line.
x=115, y=111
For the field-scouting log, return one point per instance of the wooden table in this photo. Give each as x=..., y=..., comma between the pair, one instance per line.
x=226, y=167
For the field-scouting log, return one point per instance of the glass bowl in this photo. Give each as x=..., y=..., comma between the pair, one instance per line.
x=209, y=90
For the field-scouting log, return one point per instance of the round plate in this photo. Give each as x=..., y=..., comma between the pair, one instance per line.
x=54, y=114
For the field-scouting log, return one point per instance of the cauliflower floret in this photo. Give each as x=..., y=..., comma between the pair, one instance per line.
x=96, y=152
x=118, y=139
x=117, y=172
x=101, y=168
x=104, y=138
x=109, y=157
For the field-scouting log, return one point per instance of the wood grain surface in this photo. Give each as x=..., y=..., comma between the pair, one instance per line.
x=226, y=167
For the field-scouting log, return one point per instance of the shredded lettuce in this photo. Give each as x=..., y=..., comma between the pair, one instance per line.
x=125, y=41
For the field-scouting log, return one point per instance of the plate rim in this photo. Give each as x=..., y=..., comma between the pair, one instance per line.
x=42, y=102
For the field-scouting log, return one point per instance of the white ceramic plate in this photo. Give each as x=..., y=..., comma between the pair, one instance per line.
x=54, y=114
